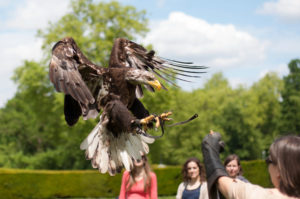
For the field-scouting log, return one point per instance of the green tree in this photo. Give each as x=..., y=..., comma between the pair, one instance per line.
x=267, y=92
x=185, y=140
x=291, y=99
x=241, y=138
x=251, y=116
x=231, y=115
x=35, y=135
x=32, y=124
x=94, y=26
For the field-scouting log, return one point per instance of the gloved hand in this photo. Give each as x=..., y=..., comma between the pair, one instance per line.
x=211, y=147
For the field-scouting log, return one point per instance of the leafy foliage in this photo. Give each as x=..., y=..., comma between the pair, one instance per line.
x=94, y=26
x=34, y=134
x=16, y=183
x=33, y=131
x=291, y=99
x=256, y=171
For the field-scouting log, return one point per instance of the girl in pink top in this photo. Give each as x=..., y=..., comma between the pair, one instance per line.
x=140, y=182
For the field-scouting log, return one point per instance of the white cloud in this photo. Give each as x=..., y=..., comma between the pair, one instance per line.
x=34, y=14
x=17, y=36
x=287, y=10
x=186, y=37
x=287, y=44
x=7, y=91
x=3, y=3
x=280, y=69
x=236, y=82
x=15, y=48
x=160, y=3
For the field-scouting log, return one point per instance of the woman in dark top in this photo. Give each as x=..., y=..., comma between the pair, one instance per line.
x=193, y=185
x=233, y=167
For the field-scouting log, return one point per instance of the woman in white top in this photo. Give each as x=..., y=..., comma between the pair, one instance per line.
x=193, y=185
x=283, y=166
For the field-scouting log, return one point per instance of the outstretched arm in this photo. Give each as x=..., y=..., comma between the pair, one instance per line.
x=224, y=185
x=211, y=147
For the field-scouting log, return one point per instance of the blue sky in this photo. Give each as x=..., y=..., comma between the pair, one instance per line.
x=242, y=39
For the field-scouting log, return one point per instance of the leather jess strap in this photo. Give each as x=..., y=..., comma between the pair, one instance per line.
x=162, y=123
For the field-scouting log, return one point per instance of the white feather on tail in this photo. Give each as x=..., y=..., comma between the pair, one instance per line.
x=84, y=145
x=109, y=153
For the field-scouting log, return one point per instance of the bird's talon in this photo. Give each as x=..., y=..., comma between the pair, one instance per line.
x=145, y=127
x=157, y=124
x=165, y=115
x=168, y=119
x=147, y=120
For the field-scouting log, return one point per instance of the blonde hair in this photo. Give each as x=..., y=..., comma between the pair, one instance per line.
x=146, y=177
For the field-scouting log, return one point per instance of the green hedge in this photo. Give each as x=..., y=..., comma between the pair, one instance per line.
x=256, y=172
x=39, y=184
x=168, y=179
x=19, y=184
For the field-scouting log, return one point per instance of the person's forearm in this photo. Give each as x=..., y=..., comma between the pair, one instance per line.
x=211, y=147
x=224, y=185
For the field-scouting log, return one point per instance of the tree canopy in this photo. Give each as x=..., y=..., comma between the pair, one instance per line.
x=291, y=99
x=35, y=135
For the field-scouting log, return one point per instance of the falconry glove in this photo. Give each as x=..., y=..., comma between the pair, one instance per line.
x=211, y=147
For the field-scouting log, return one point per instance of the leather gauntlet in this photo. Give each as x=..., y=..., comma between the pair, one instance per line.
x=211, y=147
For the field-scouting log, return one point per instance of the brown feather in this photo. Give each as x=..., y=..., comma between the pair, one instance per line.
x=89, y=88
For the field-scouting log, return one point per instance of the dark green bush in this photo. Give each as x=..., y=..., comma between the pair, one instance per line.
x=168, y=179
x=19, y=184
x=256, y=172
x=40, y=184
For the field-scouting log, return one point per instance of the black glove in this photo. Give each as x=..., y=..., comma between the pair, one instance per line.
x=211, y=147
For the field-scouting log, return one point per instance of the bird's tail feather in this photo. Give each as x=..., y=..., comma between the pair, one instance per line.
x=110, y=154
x=89, y=139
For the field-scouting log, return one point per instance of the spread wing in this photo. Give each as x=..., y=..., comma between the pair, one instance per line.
x=73, y=74
x=126, y=53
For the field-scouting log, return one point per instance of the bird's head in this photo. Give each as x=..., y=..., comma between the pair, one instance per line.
x=136, y=76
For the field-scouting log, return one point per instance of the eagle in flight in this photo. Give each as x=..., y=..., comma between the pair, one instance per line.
x=119, y=137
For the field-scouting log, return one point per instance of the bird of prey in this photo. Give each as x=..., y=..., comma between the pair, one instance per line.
x=114, y=91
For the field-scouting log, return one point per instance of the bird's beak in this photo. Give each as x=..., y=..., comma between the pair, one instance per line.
x=155, y=84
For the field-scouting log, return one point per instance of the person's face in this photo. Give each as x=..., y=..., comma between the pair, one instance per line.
x=139, y=163
x=233, y=168
x=193, y=170
x=274, y=173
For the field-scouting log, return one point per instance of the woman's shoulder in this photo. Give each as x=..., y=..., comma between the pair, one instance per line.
x=126, y=173
x=204, y=191
x=180, y=190
x=204, y=184
x=152, y=174
x=275, y=193
x=182, y=184
x=242, y=178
